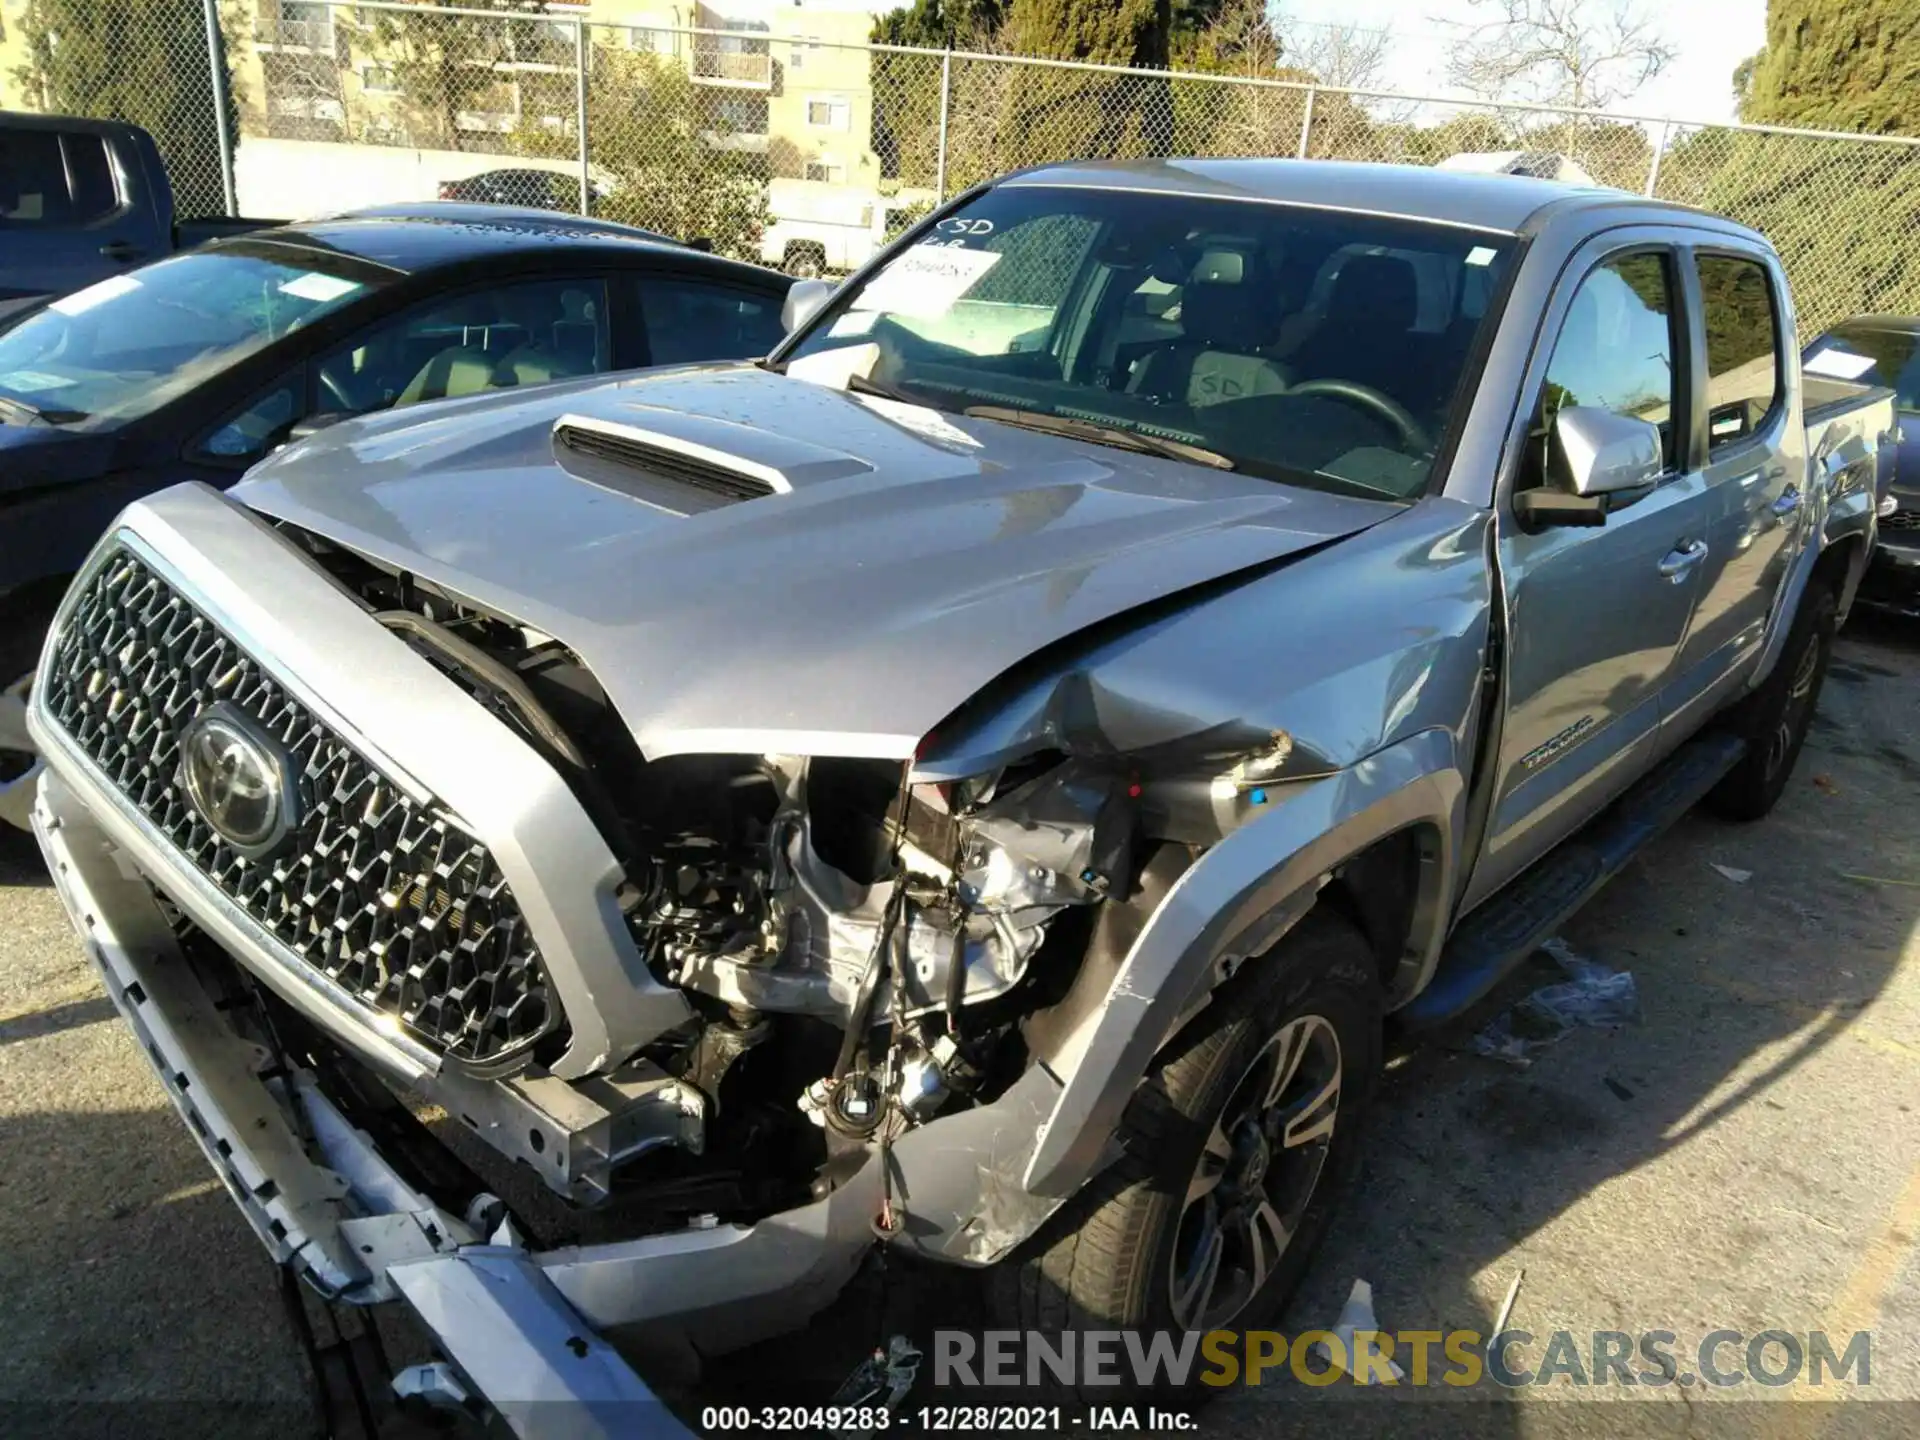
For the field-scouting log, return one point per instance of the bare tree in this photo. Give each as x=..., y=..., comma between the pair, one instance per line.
x=1345, y=55
x=1581, y=53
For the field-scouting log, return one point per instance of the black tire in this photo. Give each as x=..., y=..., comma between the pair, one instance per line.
x=806, y=262
x=1774, y=719
x=1107, y=1260
x=20, y=639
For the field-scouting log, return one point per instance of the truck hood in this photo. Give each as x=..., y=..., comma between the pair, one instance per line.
x=32, y=456
x=910, y=558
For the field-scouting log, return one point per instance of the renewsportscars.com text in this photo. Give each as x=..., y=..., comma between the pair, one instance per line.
x=1722, y=1358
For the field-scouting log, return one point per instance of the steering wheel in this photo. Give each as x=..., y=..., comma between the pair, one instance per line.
x=1412, y=436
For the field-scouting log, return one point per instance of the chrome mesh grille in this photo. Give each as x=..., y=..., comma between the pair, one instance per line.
x=384, y=895
x=1901, y=520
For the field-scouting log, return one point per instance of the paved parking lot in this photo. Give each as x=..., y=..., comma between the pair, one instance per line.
x=1744, y=1158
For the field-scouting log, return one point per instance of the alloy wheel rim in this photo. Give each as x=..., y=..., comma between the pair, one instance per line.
x=1256, y=1174
x=1799, y=702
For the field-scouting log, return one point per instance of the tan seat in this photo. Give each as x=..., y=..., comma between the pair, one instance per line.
x=457, y=370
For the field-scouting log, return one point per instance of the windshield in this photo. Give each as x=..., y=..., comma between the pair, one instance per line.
x=1308, y=345
x=1870, y=356
x=125, y=347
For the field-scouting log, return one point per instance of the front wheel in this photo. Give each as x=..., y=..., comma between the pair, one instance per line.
x=20, y=640
x=1236, y=1147
x=1775, y=718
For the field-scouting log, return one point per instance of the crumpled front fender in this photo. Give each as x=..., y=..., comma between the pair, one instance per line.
x=1234, y=903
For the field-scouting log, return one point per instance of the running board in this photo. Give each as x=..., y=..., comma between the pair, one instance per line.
x=1510, y=926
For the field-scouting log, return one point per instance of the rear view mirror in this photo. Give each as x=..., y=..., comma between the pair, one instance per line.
x=1596, y=462
x=805, y=299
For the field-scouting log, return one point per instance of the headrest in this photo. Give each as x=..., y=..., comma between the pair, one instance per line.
x=1379, y=291
x=1227, y=267
x=1227, y=317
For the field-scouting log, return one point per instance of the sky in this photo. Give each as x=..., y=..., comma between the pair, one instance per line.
x=1710, y=36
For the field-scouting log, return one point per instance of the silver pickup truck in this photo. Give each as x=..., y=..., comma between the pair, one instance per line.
x=596, y=862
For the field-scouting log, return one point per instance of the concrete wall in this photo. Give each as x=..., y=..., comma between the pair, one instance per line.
x=298, y=179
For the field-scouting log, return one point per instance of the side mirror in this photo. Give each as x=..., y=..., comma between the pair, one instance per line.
x=1596, y=462
x=314, y=424
x=805, y=299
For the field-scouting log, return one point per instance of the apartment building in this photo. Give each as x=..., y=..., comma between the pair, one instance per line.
x=775, y=75
x=767, y=73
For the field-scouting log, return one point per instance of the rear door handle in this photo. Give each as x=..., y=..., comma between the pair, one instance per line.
x=1788, y=502
x=1679, y=561
x=120, y=250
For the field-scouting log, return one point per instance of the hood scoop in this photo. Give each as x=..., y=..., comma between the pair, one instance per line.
x=676, y=472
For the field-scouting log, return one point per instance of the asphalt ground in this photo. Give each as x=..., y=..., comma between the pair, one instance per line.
x=1745, y=1157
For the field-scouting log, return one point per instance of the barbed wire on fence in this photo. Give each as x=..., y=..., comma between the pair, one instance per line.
x=764, y=141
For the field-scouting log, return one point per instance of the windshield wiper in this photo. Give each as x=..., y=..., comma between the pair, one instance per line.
x=31, y=414
x=861, y=385
x=1118, y=436
x=21, y=412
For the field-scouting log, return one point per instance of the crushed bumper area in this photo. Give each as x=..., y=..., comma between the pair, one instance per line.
x=311, y=1185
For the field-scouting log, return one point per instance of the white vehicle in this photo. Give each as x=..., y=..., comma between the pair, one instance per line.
x=819, y=227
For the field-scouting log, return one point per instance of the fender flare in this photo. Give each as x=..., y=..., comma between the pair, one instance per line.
x=1838, y=520
x=1237, y=899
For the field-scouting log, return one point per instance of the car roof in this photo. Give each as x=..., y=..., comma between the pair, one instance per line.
x=1903, y=324
x=1480, y=200
x=430, y=234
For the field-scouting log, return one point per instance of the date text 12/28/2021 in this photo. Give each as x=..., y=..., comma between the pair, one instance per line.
x=1043, y=1419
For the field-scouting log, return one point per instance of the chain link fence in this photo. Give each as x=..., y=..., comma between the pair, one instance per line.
x=810, y=152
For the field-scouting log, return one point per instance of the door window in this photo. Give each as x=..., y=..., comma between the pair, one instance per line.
x=690, y=319
x=487, y=340
x=259, y=427
x=90, y=184
x=47, y=178
x=1743, y=348
x=33, y=181
x=1615, y=350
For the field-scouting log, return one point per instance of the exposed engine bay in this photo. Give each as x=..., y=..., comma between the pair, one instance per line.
x=863, y=954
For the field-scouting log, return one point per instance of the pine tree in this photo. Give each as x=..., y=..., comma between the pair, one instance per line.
x=1837, y=65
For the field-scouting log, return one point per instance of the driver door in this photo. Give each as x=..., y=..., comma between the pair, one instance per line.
x=1595, y=616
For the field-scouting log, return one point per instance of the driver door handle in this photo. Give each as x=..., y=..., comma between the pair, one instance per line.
x=1679, y=561
x=120, y=250
x=1788, y=502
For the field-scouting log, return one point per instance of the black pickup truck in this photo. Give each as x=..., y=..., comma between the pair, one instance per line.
x=81, y=200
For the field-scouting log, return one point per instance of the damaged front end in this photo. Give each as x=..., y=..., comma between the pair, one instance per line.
x=863, y=949
x=653, y=1046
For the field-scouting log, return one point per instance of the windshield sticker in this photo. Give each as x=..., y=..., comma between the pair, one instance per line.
x=82, y=301
x=853, y=322
x=1481, y=255
x=926, y=280
x=34, y=380
x=319, y=288
x=1840, y=364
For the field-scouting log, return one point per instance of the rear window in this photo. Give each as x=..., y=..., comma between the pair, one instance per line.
x=1743, y=361
x=47, y=178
